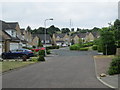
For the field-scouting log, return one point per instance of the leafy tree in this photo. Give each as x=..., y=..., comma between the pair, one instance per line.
x=117, y=32
x=39, y=43
x=78, y=29
x=108, y=41
x=52, y=29
x=28, y=29
x=65, y=30
x=72, y=29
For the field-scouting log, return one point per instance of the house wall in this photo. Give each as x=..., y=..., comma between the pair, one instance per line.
x=35, y=41
x=0, y=48
x=14, y=45
x=89, y=37
x=76, y=39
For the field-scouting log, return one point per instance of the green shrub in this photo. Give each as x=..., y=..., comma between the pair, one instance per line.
x=114, y=66
x=74, y=47
x=41, y=58
x=34, y=59
x=41, y=52
x=94, y=47
x=83, y=49
x=52, y=47
x=27, y=47
x=99, y=48
x=111, y=49
x=48, y=52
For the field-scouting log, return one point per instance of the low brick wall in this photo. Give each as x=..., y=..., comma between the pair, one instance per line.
x=118, y=52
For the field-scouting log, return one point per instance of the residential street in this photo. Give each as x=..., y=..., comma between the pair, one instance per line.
x=67, y=69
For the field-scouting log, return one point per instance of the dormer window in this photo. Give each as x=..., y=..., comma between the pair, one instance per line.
x=11, y=32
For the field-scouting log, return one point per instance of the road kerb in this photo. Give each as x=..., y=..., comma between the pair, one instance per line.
x=99, y=77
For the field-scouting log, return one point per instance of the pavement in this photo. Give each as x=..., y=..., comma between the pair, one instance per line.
x=64, y=69
x=102, y=66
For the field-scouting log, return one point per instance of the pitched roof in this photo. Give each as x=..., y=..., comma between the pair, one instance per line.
x=80, y=35
x=42, y=36
x=61, y=35
x=96, y=34
x=6, y=26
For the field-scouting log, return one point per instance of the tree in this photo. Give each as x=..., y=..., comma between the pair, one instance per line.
x=39, y=43
x=117, y=32
x=72, y=29
x=29, y=29
x=78, y=29
x=52, y=29
x=65, y=30
x=108, y=41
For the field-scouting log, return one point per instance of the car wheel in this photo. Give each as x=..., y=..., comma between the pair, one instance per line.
x=24, y=57
x=3, y=56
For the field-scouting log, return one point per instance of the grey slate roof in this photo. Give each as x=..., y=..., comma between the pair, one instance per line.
x=96, y=34
x=6, y=26
x=61, y=35
x=42, y=37
x=80, y=35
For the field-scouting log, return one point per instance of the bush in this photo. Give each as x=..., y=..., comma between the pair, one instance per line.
x=52, y=47
x=27, y=48
x=83, y=49
x=48, y=52
x=99, y=48
x=111, y=50
x=34, y=59
x=114, y=66
x=41, y=52
x=87, y=44
x=74, y=47
x=41, y=58
x=94, y=47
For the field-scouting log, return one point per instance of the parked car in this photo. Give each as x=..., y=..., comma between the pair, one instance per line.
x=17, y=53
x=64, y=45
x=36, y=50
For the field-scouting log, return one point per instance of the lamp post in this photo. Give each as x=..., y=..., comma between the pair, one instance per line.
x=45, y=33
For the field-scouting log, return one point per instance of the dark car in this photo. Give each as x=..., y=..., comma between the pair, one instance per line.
x=17, y=53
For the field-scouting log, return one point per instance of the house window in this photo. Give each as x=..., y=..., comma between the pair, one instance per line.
x=12, y=33
x=42, y=41
x=47, y=41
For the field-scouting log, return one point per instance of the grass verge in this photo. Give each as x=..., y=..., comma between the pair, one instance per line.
x=9, y=65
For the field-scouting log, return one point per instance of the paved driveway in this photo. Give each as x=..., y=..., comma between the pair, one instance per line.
x=68, y=69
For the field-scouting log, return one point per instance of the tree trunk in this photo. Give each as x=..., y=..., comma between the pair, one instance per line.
x=118, y=52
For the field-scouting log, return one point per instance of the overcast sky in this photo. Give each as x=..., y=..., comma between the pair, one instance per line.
x=82, y=14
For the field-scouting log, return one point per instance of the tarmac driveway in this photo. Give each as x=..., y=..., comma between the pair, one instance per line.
x=67, y=69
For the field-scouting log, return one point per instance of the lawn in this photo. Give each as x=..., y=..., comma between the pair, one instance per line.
x=9, y=65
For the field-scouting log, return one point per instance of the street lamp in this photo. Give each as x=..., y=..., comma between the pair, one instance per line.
x=45, y=33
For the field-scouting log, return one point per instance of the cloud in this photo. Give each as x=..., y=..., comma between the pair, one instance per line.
x=82, y=14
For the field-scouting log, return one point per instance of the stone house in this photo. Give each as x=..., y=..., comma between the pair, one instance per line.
x=47, y=42
x=35, y=40
x=76, y=37
x=91, y=36
x=9, y=36
x=61, y=39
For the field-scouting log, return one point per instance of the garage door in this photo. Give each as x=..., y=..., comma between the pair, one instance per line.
x=0, y=48
x=14, y=46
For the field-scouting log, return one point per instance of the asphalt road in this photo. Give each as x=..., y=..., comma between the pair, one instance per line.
x=68, y=69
